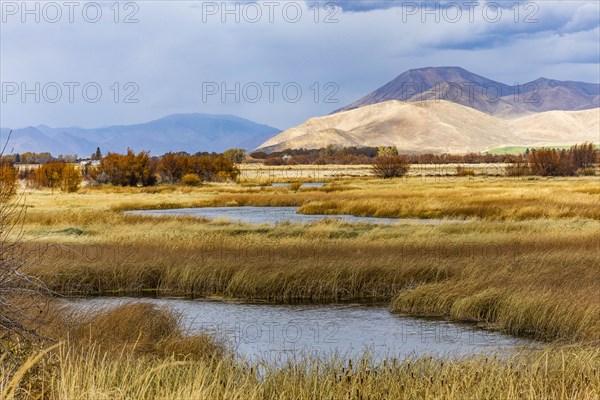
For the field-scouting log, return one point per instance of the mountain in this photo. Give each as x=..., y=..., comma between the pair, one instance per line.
x=568, y=127
x=460, y=86
x=449, y=109
x=28, y=138
x=437, y=127
x=177, y=132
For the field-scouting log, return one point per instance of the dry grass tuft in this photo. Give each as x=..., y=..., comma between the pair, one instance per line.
x=557, y=373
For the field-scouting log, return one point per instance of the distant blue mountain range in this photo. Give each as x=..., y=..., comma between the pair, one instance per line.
x=178, y=132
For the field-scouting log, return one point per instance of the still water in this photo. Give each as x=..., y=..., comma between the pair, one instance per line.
x=275, y=333
x=273, y=215
x=304, y=185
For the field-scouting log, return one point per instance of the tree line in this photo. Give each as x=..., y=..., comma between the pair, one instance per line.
x=366, y=155
x=141, y=169
x=46, y=157
x=133, y=169
x=580, y=159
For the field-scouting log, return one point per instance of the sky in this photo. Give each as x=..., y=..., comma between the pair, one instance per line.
x=93, y=64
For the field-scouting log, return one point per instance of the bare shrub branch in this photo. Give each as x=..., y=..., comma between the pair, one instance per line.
x=388, y=167
x=21, y=296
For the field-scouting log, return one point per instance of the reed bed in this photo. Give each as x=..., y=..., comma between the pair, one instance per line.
x=564, y=373
x=457, y=198
x=97, y=337
x=450, y=198
x=535, y=279
x=527, y=264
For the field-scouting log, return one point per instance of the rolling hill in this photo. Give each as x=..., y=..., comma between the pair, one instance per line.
x=437, y=127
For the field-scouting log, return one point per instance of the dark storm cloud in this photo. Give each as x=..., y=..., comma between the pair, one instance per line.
x=175, y=48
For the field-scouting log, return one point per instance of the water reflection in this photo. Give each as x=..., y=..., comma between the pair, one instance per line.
x=277, y=332
x=273, y=215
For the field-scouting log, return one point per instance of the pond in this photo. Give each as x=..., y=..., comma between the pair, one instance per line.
x=273, y=215
x=275, y=333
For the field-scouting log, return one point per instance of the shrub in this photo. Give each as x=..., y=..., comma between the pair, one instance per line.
x=213, y=168
x=390, y=167
x=9, y=178
x=295, y=186
x=47, y=175
x=517, y=169
x=70, y=179
x=274, y=161
x=236, y=156
x=56, y=174
x=20, y=293
x=224, y=169
x=172, y=167
x=133, y=170
x=551, y=162
x=35, y=158
x=191, y=180
x=127, y=170
x=387, y=151
x=584, y=155
x=578, y=160
x=141, y=329
x=462, y=171
x=586, y=171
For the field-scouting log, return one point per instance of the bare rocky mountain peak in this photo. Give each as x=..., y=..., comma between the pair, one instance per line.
x=460, y=86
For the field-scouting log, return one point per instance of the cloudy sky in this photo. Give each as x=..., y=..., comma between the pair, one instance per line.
x=275, y=62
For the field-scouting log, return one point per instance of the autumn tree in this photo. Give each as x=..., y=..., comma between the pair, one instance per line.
x=172, y=167
x=126, y=169
x=584, y=155
x=56, y=174
x=131, y=169
x=236, y=156
x=142, y=169
x=70, y=179
x=387, y=151
x=9, y=179
x=47, y=175
x=204, y=167
x=551, y=162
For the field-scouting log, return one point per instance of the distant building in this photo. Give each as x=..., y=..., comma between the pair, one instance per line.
x=88, y=162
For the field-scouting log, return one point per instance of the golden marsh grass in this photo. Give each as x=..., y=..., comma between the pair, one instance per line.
x=525, y=262
x=534, y=277
x=563, y=373
x=111, y=354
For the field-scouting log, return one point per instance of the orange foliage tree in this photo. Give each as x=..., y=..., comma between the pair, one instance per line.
x=126, y=169
x=56, y=174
